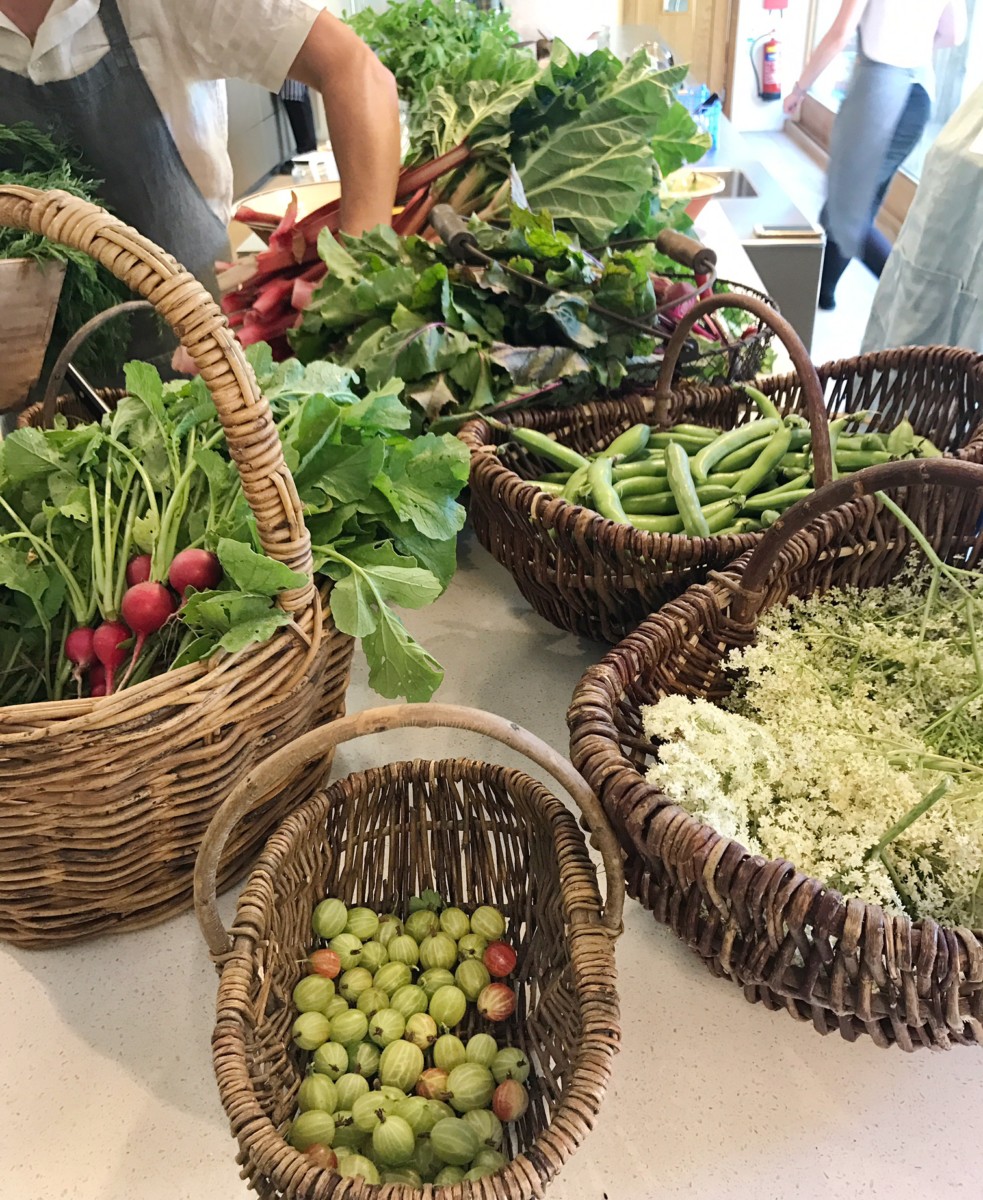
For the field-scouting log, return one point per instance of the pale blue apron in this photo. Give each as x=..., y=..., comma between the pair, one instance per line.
x=110, y=115
x=859, y=142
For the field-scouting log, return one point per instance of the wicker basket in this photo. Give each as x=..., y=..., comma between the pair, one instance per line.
x=580, y=571
x=791, y=941
x=475, y=832
x=103, y=802
x=598, y=579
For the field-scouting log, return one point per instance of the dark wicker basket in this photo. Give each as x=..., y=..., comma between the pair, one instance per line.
x=598, y=579
x=789, y=940
x=475, y=832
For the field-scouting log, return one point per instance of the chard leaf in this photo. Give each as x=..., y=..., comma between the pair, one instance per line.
x=232, y=620
x=398, y=665
x=421, y=480
x=530, y=365
x=257, y=573
x=19, y=573
x=346, y=473
x=27, y=454
x=144, y=384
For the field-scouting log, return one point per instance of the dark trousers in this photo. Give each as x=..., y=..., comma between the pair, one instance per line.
x=876, y=247
x=301, y=118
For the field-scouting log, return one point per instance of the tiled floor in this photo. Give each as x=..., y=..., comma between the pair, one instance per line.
x=838, y=334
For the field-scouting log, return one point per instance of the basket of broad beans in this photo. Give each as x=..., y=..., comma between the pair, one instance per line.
x=791, y=755
x=418, y=990
x=604, y=511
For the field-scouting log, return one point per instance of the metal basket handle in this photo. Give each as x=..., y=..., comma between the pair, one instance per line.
x=186, y=306
x=948, y=472
x=56, y=380
x=822, y=454
x=263, y=780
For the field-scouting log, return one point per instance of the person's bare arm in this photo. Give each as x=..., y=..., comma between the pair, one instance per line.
x=953, y=25
x=361, y=105
x=838, y=35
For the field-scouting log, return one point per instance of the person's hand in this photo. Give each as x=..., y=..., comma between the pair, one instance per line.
x=793, y=102
x=183, y=363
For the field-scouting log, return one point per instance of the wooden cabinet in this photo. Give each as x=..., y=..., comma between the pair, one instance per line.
x=700, y=36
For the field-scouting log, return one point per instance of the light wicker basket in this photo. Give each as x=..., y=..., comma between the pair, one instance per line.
x=103, y=802
x=789, y=940
x=476, y=833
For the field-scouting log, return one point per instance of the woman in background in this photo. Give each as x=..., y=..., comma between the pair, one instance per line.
x=931, y=292
x=881, y=120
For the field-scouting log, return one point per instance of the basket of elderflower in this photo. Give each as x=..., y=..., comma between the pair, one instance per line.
x=795, y=770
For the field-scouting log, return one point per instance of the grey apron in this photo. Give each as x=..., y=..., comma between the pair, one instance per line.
x=859, y=142
x=110, y=116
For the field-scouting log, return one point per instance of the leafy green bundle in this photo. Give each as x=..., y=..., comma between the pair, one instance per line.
x=425, y=42
x=156, y=477
x=465, y=338
x=587, y=137
x=31, y=158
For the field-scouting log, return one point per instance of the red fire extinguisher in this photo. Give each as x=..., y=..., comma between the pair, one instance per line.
x=769, y=80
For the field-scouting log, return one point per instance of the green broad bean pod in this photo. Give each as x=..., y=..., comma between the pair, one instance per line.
x=642, y=485
x=719, y=451
x=605, y=499
x=629, y=444
x=764, y=404
x=764, y=501
x=767, y=461
x=684, y=490
x=740, y=459
x=648, y=466
x=547, y=447
x=664, y=503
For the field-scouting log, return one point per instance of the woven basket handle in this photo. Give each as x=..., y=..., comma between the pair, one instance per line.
x=822, y=455
x=204, y=332
x=948, y=472
x=264, y=780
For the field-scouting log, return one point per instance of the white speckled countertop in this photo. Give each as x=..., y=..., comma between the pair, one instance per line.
x=106, y=1087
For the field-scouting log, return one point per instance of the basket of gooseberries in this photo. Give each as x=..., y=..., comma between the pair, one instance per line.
x=418, y=991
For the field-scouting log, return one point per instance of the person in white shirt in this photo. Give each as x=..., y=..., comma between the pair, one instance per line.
x=137, y=87
x=881, y=119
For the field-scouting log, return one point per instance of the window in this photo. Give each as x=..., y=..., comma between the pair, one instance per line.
x=958, y=72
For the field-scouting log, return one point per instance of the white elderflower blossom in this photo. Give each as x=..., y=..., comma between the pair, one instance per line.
x=848, y=711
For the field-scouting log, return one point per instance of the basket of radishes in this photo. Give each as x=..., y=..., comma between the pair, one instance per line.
x=135, y=687
x=419, y=988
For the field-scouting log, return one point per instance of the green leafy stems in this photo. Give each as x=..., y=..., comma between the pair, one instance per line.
x=155, y=477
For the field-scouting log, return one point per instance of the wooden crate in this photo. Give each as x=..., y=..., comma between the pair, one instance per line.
x=29, y=293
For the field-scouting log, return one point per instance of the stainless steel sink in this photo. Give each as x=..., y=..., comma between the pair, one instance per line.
x=737, y=186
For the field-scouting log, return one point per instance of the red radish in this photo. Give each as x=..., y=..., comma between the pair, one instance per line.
x=138, y=570
x=432, y=1084
x=322, y=1156
x=496, y=1002
x=194, y=568
x=78, y=650
x=97, y=689
x=106, y=643
x=97, y=675
x=509, y=1100
x=499, y=959
x=145, y=608
x=326, y=963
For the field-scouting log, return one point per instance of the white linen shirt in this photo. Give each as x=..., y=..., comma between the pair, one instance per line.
x=901, y=33
x=186, y=50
